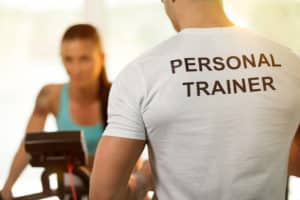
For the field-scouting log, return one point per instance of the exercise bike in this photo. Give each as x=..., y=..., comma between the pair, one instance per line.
x=59, y=153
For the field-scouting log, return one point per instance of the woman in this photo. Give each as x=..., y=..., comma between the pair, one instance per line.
x=78, y=105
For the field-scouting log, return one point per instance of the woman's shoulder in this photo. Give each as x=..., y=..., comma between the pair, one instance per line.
x=52, y=89
x=49, y=96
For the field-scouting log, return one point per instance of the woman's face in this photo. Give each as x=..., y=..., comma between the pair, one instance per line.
x=82, y=60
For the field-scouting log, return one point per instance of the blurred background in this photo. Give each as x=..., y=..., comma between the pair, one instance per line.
x=30, y=32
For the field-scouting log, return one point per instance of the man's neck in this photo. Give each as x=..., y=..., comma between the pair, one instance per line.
x=205, y=15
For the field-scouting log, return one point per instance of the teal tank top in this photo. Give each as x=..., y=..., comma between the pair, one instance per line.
x=92, y=134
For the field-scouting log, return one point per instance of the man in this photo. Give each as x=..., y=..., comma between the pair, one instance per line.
x=217, y=105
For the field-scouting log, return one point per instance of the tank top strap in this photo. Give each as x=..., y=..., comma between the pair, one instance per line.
x=63, y=113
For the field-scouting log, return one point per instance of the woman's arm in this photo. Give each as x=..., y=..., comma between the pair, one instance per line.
x=143, y=180
x=36, y=124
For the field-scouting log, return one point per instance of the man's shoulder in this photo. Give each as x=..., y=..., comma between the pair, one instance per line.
x=266, y=41
x=162, y=49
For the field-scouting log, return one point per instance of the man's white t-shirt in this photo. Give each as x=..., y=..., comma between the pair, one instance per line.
x=219, y=108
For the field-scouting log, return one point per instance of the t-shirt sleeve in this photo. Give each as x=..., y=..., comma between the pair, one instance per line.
x=298, y=65
x=125, y=105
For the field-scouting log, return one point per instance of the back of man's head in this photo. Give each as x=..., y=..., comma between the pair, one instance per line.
x=193, y=13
